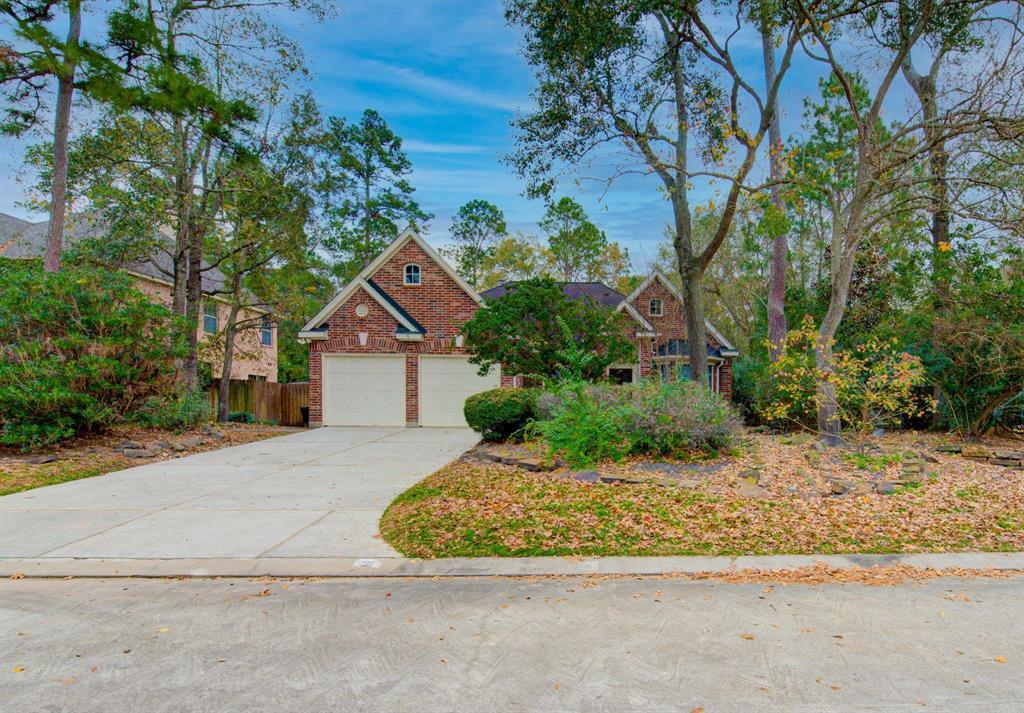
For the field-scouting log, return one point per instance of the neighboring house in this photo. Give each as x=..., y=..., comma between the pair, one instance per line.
x=255, y=348
x=386, y=350
x=658, y=328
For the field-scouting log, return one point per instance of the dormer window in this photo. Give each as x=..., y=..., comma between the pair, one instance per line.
x=654, y=308
x=412, y=274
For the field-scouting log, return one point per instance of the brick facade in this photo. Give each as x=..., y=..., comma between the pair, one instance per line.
x=438, y=303
x=671, y=324
x=441, y=305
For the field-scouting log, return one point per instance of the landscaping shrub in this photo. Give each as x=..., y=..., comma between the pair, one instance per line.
x=80, y=349
x=586, y=423
x=500, y=414
x=181, y=412
x=241, y=417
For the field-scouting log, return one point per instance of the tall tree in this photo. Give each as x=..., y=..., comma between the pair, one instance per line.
x=575, y=243
x=24, y=72
x=516, y=257
x=885, y=157
x=649, y=77
x=775, y=211
x=372, y=195
x=476, y=228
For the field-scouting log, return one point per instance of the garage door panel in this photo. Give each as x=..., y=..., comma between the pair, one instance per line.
x=363, y=390
x=445, y=384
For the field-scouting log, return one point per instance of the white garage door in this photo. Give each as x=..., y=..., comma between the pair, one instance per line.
x=445, y=383
x=364, y=390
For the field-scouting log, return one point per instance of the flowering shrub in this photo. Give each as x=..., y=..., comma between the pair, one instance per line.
x=587, y=423
x=874, y=384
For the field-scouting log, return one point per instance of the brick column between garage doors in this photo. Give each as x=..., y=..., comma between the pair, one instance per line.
x=412, y=389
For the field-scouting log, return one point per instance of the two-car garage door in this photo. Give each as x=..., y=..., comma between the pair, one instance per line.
x=370, y=390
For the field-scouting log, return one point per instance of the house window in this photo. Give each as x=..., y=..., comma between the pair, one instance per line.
x=266, y=332
x=654, y=308
x=210, y=317
x=412, y=274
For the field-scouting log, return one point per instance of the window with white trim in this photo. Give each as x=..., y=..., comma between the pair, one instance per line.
x=412, y=274
x=655, y=308
x=210, y=316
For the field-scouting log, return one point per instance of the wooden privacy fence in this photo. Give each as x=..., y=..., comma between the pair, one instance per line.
x=265, y=400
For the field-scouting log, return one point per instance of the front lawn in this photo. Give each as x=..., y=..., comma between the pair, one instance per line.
x=473, y=510
x=90, y=455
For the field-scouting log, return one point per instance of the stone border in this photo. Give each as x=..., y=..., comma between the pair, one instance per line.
x=487, y=566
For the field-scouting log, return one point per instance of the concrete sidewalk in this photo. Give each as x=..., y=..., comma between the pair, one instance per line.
x=317, y=493
x=488, y=566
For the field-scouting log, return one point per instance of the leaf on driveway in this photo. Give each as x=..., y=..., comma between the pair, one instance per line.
x=163, y=630
x=748, y=637
x=1000, y=659
x=19, y=669
x=17, y=575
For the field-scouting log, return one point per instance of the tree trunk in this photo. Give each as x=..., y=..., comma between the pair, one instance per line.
x=225, y=372
x=696, y=333
x=194, y=307
x=61, y=130
x=780, y=244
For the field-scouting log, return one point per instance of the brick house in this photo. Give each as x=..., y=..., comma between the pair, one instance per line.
x=255, y=349
x=657, y=326
x=386, y=350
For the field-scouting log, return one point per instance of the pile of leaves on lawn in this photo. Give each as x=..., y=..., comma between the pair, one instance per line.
x=81, y=350
x=588, y=423
x=468, y=510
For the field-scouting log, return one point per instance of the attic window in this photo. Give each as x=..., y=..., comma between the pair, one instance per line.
x=654, y=308
x=412, y=274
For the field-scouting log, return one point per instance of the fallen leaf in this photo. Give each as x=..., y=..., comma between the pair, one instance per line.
x=1000, y=659
x=557, y=686
x=19, y=669
x=698, y=709
x=444, y=661
x=163, y=630
x=748, y=637
x=69, y=681
x=17, y=575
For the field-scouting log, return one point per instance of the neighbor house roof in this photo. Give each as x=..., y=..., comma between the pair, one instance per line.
x=20, y=239
x=596, y=291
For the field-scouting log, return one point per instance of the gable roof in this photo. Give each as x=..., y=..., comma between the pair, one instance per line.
x=727, y=348
x=20, y=239
x=312, y=328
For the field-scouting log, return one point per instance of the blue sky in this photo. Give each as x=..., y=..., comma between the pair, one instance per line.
x=448, y=76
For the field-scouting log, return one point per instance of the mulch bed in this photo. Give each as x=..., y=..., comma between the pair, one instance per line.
x=776, y=496
x=95, y=454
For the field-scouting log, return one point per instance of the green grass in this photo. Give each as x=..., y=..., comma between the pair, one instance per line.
x=51, y=474
x=867, y=461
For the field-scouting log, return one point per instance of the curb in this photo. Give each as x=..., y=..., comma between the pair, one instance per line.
x=491, y=566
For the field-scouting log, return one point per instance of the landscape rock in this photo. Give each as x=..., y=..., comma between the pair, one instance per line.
x=840, y=487
x=139, y=452
x=40, y=460
x=885, y=487
x=162, y=445
x=586, y=476
x=948, y=449
x=754, y=492
x=750, y=476
x=1005, y=461
x=1008, y=455
x=128, y=444
x=192, y=442
x=928, y=458
x=179, y=447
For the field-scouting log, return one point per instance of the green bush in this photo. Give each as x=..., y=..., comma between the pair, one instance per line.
x=178, y=413
x=80, y=349
x=586, y=423
x=500, y=414
x=241, y=417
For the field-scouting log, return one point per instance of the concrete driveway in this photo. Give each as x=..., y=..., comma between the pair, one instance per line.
x=318, y=493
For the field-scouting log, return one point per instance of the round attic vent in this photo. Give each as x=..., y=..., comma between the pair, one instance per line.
x=362, y=310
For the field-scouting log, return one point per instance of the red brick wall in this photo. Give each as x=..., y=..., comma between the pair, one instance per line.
x=437, y=303
x=672, y=325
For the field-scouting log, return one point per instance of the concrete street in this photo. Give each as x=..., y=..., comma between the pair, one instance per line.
x=318, y=493
x=491, y=644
